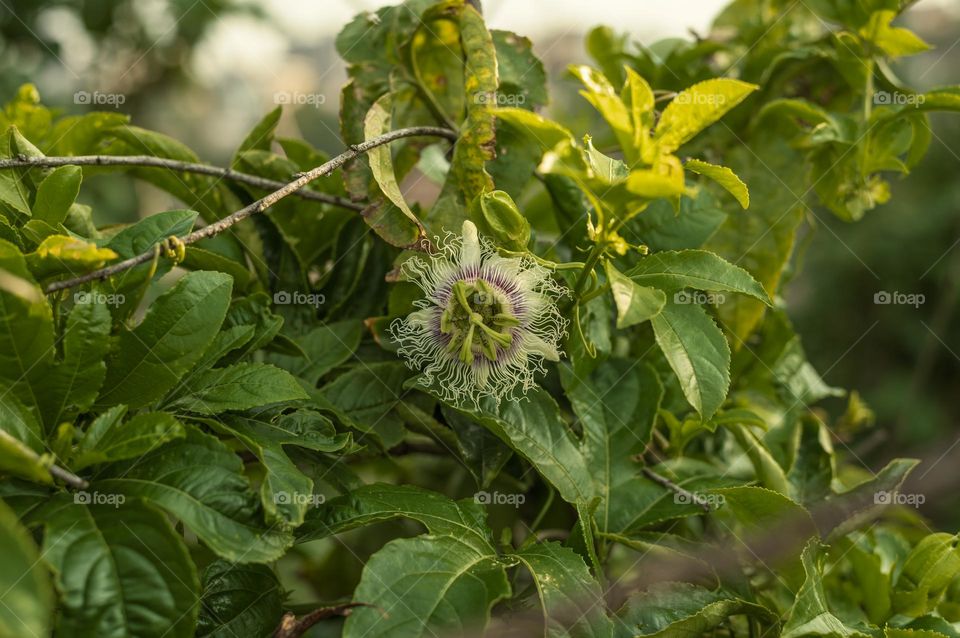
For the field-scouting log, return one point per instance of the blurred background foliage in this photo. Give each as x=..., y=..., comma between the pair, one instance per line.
x=205, y=71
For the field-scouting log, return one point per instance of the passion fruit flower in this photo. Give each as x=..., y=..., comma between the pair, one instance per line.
x=486, y=324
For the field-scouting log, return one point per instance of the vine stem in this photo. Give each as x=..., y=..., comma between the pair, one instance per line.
x=68, y=477
x=673, y=487
x=148, y=161
x=261, y=204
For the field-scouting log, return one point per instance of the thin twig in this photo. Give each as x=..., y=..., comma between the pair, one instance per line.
x=292, y=627
x=261, y=204
x=673, y=487
x=69, y=478
x=174, y=165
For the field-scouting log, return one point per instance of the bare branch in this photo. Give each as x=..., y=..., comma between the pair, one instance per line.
x=261, y=204
x=292, y=627
x=174, y=165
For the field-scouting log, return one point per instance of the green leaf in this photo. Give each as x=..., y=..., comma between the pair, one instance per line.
x=145, y=234
x=761, y=242
x=206, y=194
x=533, y=429
x=760, y=509
x=810, y=614
x=109, y=438
x=398, y=225
x=871, y=579
x=678, y=610
x=635, y=303
x=697, y=107
x=697, y=352
x=26, y=328
x=180, y=324
x=519, y=71
x=142, y=236
x=237, y=387
x=13, y=189
x=27, y=597
x=239, y=600
x=364, y=398
x=198, y=480
x=70, y=386
x=607, y=47
x=121, y=570
x=285, y=491
x=697, y=269
x=56, y=194
x=722, y=176
x=83, y=134
x=260, y=137
x=326, y=347
x=617, y=406
x=20, y=423
x=464, y=519
x=894, y=41
x=572, y=601
x=861, y=502
x=198, y=258
x=766, y=468
x=663, y=229
x=426, y=586
x=928, y=570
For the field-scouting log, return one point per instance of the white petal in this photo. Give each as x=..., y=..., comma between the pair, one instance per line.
x=470, y=249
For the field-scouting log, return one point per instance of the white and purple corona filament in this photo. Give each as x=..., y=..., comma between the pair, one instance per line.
x=486, y=324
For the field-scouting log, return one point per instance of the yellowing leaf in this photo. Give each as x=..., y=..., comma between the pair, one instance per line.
x=664, y=179
x=724, y=177
x=696, y=108
x=546, y=132
x=601, y=94
x=390, y=225
x=60, y=254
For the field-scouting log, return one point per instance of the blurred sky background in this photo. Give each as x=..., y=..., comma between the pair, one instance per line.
x=204, y=71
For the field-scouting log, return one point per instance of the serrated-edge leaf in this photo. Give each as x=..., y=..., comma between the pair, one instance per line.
x=703, y=368
x=723, y=176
